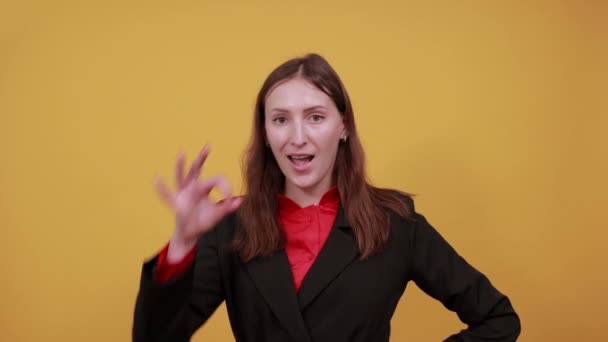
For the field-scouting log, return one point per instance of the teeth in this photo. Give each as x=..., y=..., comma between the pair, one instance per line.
x=300, y=157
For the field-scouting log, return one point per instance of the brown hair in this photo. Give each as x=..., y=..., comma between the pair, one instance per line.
x=365, y=206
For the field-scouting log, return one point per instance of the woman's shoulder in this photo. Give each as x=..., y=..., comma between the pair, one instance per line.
x=413, y=222
x=404, y=217
x=396, y=201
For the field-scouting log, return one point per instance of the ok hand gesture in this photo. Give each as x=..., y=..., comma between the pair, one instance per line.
x=195, y=212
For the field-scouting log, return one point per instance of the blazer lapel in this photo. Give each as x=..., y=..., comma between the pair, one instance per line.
x=339, y=250
x=273, y=278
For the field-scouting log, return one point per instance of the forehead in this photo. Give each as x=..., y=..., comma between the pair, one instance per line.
x=297, y=93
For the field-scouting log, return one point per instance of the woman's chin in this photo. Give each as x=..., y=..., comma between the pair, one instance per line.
x=303, y=183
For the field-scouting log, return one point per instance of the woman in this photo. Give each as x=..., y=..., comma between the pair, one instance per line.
x=312, y=252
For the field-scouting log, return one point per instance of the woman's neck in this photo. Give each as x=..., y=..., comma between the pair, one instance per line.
x=306, y=196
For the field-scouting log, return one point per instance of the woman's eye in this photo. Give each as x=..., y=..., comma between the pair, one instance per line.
x=279, y=120
x=316, y=117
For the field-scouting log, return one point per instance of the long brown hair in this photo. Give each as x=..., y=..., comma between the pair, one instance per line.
x=365, y=206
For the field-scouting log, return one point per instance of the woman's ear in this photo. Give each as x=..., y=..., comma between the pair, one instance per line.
x=344, y=135
x=265, y=137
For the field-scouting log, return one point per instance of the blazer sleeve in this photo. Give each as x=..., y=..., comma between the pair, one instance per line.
x=439, y=271
x=174, y=310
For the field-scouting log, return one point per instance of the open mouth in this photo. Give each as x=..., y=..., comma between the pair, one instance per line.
x=301, y=160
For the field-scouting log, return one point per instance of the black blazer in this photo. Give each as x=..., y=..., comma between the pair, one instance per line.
x=341, y=298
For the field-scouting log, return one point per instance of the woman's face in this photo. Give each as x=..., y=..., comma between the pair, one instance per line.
x=303, y=128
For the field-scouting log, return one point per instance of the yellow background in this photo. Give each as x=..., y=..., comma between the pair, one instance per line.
x=494, y=113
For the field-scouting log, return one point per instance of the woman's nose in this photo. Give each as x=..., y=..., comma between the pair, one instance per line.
x=298, y=135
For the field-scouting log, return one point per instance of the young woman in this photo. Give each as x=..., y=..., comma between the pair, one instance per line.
x=312, y=251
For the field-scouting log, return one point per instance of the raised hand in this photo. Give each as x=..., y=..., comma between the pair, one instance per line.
x=195, y=212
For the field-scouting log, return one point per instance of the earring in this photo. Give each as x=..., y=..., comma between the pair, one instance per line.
x=344, y=137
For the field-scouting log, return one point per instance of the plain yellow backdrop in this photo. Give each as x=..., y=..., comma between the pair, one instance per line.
x=493, y=113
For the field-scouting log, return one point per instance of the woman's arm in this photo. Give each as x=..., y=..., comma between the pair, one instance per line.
x=175, y=309
x=444, y=275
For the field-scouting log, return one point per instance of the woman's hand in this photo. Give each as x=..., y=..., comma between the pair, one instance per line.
x=195, y=212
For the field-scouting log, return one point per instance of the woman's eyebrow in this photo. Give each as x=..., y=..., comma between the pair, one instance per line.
x=308, y=109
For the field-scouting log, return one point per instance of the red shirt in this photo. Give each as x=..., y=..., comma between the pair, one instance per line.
x=306, y=230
